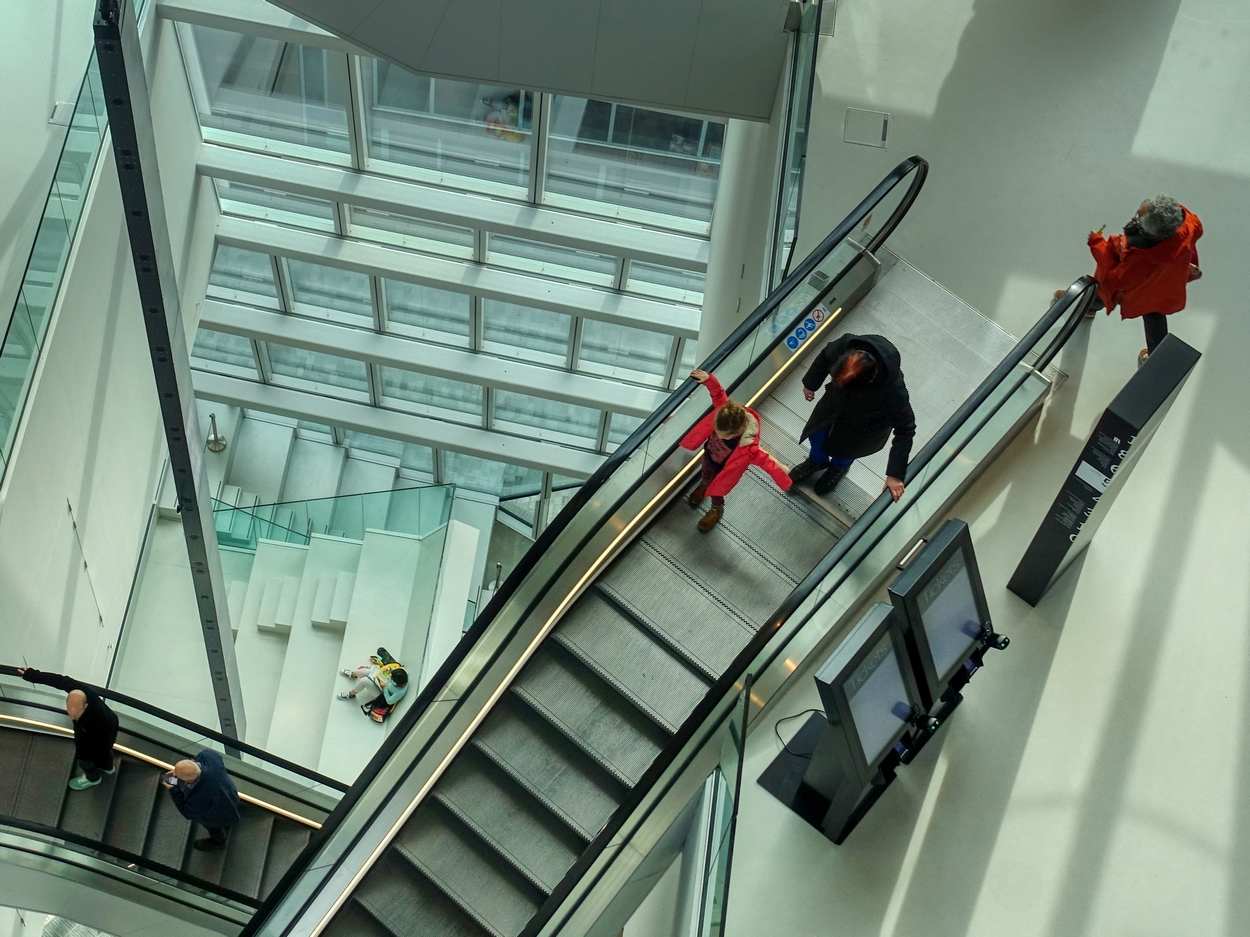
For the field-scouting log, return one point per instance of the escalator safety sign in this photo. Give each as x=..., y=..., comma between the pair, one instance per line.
x=806, y=328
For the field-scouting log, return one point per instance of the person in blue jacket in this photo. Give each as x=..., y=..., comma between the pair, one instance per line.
x=204, y=793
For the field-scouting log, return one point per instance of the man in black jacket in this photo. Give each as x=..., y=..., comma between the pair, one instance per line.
x=203, y=792
x=95, y=725
x=864, y=401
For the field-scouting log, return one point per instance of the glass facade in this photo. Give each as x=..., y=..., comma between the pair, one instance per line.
x=224, y=353
x=267, y=204
x=681, y=286
x=462, y=134
x=322, y=292
x=243, y=276
x=430, y=237
x=269, y=95
x=624, y=353
x=432, y=396
x=553, y=420
x=525, y=332
x=634, y=164
x=551, y=260
x=428, y=313
x=320, y=373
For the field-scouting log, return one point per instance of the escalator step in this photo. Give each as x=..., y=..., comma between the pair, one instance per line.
x=14, y=745
x=541, y=759
x=285, y=843
x=688, y=613
x=168, y=832
x=475, y=878
x=247, y=850
x=208, y=864
x=642, y=666
x=507, y=817
x=355, y=921
x=717, y=563
x=407, y=904
x=595, y=717
x=134, y=799
x=790, y=532
x=45, y=779
x=87, y=812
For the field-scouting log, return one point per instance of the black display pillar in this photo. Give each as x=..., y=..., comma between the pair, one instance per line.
x=1114, y=447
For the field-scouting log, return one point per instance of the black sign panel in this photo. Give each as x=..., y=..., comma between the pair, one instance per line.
x=1114, y=447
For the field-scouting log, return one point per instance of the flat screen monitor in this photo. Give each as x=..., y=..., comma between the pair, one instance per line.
x=941, y=603
x=868, y=688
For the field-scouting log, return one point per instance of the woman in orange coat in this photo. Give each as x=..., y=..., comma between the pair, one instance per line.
x=730, y=436
x=1144, y=270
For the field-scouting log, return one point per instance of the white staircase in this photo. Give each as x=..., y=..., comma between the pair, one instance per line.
x=307, y=612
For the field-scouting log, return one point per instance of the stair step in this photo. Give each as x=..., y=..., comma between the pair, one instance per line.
x=43, y=784
x=323, y=601
x=87, y=812
x=479, y=882
x=343, y=587
x=406, y=903
x=509, y=819
x=285, y=614
x=168, y=832
x=229, y=495
x=600, y=721
x=236, y=596
x=569, y=782
x=268, y=611
x=247, y=849
x=208, y=864
x=286, y=842
x=635, y=664
x=134, y=801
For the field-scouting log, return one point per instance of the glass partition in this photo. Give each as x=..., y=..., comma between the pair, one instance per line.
x=264, y=204
x=28, y=324
x=418, y=510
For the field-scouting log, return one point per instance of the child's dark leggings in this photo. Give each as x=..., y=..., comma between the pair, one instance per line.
x=710, y=471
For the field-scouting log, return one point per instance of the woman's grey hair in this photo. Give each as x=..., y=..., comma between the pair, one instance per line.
x=1162, y=218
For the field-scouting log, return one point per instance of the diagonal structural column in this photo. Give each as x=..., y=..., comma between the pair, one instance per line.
x=134, y=149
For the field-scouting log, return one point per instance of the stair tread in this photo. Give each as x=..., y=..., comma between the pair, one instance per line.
x=551, y=766
x=511, y=819
x=286, y=842
x=476, y=880
x=134, y=797
x=246, y=850
x=396, y=895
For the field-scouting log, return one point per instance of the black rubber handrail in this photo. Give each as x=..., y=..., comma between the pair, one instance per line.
x=1075, y=301
x=174, y=719
x=811, y=96
x=917, y=168
x=130, y=858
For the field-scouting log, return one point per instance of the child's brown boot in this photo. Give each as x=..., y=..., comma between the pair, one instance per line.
x=697, y=496
x=711, y=518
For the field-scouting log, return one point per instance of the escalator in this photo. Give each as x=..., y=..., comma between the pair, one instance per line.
x=531, y=787
x=528, y=789
x=127, y=827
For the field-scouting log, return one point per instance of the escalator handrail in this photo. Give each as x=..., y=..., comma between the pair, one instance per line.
x=811, y=97
x=174, y=719
x=130, y=858
x=135, y=734
x=914, y=166
x=1074, y=301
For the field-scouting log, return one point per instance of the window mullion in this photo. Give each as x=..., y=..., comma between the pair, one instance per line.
x=377, y=295
x=356, y=136
x=260, y=351
x=538, y=146
x=575, y=343
x=475, y=323
x=605, y=421
x=674, y=359
x=282, y=275
x=488, y=408
x=622, y=272
x=374, y=374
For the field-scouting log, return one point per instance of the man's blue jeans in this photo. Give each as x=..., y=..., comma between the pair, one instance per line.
x=817, y=442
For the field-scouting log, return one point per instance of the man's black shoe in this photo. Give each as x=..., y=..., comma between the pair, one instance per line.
x=208, y=845
x=803, y=471
x=827, y=482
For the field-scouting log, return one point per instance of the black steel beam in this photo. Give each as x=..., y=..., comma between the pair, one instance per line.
x=134, y=150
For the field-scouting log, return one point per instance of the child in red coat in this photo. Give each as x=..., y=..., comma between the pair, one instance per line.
x=730, y=439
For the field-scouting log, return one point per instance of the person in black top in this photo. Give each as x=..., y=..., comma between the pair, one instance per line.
x=95, y=725
x=865, y=400
x=203, y=792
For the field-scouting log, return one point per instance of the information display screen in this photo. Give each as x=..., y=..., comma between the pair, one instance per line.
x=948, y=610
x=878, y=697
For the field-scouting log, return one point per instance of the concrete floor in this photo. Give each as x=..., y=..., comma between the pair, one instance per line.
x=1097, y=780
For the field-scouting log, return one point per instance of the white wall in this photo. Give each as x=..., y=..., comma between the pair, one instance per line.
x=91, y=435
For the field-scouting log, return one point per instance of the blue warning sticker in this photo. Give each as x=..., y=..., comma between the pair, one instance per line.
x=806, y=328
